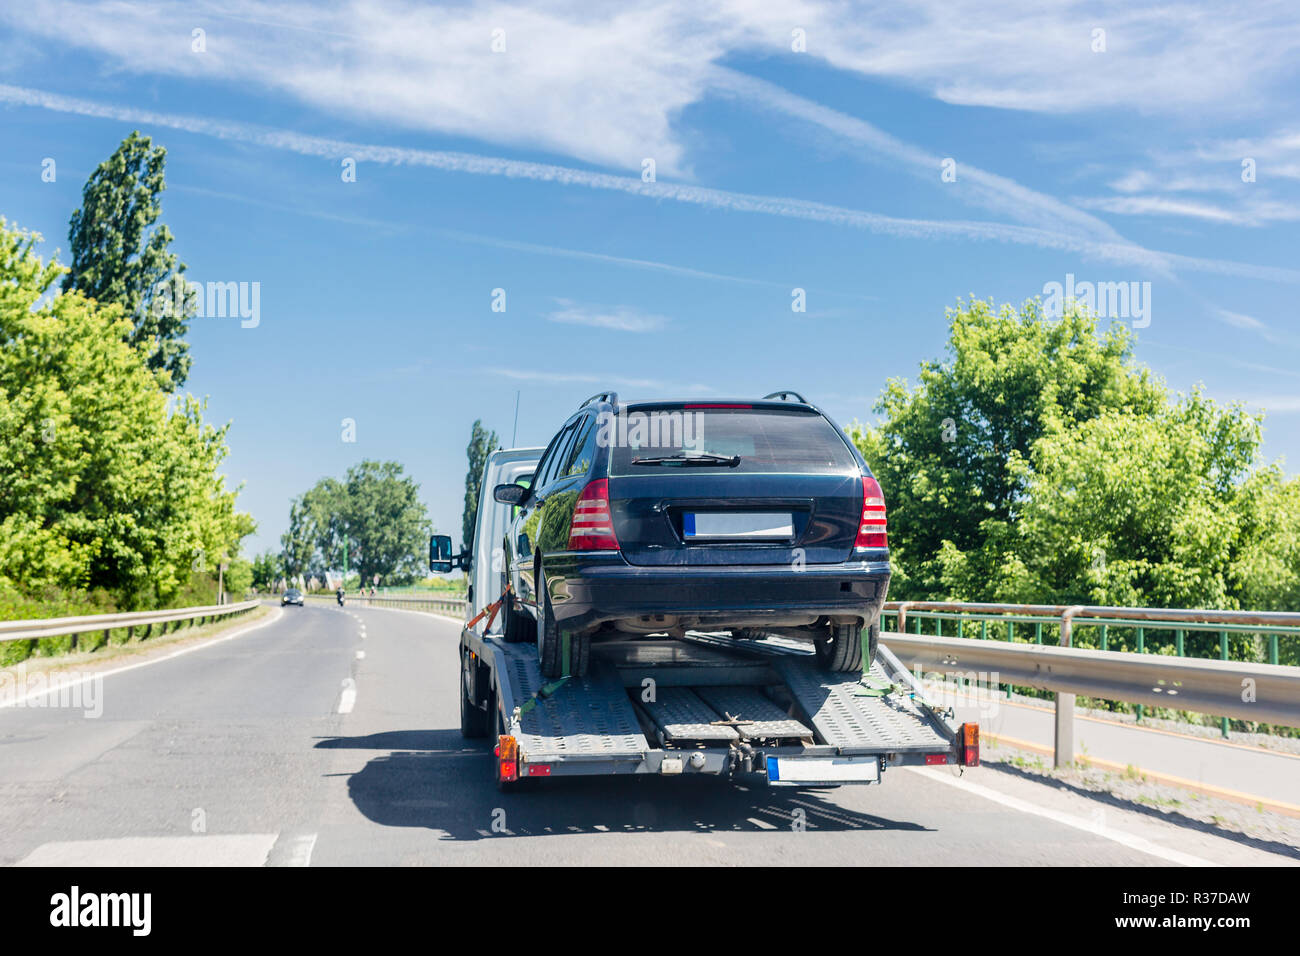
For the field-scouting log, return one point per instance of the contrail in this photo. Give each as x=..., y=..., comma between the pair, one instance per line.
x=448, y=161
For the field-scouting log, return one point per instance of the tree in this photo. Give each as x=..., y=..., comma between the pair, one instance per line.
x=947, y=452
x=104, y=482
x=265, y=572
x=481, y=444
x=1066, y=474
x=120, y=255
x=377, y=508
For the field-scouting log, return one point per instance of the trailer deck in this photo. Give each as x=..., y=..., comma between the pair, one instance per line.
x=713, y=704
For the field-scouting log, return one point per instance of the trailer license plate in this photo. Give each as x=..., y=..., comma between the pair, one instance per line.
x=737, y=525
x=822, y=769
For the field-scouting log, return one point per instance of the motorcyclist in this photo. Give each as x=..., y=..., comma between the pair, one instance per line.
x=340, y=594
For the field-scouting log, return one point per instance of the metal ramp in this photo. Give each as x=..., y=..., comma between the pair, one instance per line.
x=852, y=722
x=759, y=716
x=682, y=717
x=587, y=718
x=721, y=715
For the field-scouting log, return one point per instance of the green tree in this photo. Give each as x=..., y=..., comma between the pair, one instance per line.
x=265, y=572
x=482, y=443
x=105, y=483
x=377, y=507
x=120, y=254
x=948, y=451
x=1041, y=464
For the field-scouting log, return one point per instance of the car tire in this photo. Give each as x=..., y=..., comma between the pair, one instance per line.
x=515, y=624
x=550, y=647
x=474, y=721
x=839, y=649
x=873, y=642
x=548, y=637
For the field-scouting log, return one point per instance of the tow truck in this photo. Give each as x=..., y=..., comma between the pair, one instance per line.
x=757, y=709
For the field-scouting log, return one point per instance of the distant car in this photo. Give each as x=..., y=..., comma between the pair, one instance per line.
x=764, y=518
x=291, y=596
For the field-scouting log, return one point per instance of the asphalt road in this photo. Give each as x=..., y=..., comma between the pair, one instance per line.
x=238, y=753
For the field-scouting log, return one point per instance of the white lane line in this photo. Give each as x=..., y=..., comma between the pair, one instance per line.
x=361, y=655
x=292, y=850
x=243, y=849
x=348, y=699
x=57, y=685
x=1079, y=823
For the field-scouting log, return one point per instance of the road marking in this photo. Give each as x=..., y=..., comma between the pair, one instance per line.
x=1079, y=823
x=275, y=615
x=292, y=850
x=348, y=699
x=241, y=849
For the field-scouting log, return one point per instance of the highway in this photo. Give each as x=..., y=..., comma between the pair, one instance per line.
x=330, y=737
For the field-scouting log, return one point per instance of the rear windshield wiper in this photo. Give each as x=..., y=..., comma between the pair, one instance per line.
x=730, y=461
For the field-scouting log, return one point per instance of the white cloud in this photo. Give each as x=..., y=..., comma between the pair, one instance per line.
x=1160, y=205
x=605, y=82
x=622, y=318
x=1120, y=251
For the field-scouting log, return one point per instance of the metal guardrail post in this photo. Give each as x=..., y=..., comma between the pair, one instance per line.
x=1063, y=743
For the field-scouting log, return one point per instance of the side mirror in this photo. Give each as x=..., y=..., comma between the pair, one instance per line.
x=440, y=553
x=510, y=494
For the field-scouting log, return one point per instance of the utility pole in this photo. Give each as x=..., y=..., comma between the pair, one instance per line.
x=515, y=430
x=344, y=582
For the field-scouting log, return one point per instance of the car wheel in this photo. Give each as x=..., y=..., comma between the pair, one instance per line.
x=873, y=641
x=550, y=648
x=839, y=649
x=515, y=627
x=474, y=721
x=548, y=636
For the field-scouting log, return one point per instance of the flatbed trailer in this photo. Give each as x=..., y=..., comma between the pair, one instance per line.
x=707, y=703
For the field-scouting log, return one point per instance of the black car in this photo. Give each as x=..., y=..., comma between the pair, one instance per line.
x=661, y=517
x=291, y=596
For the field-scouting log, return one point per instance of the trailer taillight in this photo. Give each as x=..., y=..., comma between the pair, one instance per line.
x=507, y=758
x=970, y=745
x=871, y=529
x=592, y=528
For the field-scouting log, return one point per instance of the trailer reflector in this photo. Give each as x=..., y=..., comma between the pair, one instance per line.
x=539, y=770
x=932, y=759
x=507, y=758
x=970, y=736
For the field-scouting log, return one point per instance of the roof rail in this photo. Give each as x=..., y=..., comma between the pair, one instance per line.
x=611, y=397
x=784, y=396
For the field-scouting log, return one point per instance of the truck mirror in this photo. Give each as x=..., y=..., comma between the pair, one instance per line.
x=510, y=494
x=440, y=553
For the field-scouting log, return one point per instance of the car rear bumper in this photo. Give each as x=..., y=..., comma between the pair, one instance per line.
x=588, y=589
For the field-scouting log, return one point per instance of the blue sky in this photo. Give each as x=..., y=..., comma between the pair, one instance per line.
x=1114, y=157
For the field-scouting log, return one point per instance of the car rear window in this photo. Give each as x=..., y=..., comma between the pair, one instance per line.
x=767, y=440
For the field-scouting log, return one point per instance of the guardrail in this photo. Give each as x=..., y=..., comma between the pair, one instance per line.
x=1268, y=693
x=60, y=626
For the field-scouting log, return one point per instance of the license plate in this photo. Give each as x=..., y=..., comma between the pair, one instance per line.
x=822, y=769
x=737, y=525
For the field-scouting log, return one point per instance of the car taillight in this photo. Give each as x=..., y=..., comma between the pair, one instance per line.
x=592, y=528
x=871, y=530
